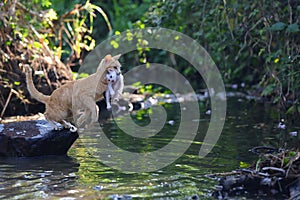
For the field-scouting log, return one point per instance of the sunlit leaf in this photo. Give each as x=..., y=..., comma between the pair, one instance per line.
x=37, y=44
x=244, y=165
x=136, y=84
x=51, y=15
x=8, y=42
x=46, y=3
x=114, y=44
x=129, y=36
x=83, y=75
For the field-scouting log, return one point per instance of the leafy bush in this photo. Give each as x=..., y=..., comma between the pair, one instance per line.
x=32, y=32
x=254, y=42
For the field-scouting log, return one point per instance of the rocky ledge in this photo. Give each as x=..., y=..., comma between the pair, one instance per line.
x=34, y=138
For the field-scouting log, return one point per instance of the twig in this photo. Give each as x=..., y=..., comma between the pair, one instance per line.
x=292, y=160
x=225, y=173
x=295, y=197
x=227, y=19
x=41, y=40
x=5, y=54
x=246, y=36
x=6, y=103
x=274, y=169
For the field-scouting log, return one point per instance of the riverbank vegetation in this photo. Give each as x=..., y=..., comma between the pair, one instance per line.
x=254, y=44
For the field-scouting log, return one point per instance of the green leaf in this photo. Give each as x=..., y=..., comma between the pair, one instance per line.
x=46, y=3
x=17, y=83
x=51, y=15
x=286, y=160
x=244, y=165
x=114, y=44
x=8, y=43
x=83, y=75
x=279, y=26
x=292, y=153
x=290, y=110
x=292, y=28
x=268, y=90
x=37, y=44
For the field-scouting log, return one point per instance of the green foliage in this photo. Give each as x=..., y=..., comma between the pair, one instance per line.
x=122, y=13
x=279, y=26
x=255, y=42
x=42, y=33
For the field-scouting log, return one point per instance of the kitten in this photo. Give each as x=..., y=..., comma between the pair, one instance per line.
x=76, y=99
x=114, y=88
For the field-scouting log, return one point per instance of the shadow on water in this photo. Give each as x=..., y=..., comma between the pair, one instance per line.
x=247, y=125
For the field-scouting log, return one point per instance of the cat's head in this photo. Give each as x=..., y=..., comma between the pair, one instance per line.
x=111, y=63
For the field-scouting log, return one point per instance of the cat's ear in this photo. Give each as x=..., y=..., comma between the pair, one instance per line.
x=107, y=57
x=117, y=57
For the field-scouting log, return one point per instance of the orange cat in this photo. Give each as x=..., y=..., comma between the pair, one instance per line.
x=76, y=99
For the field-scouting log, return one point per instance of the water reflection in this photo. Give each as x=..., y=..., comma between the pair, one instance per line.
x=37, y=177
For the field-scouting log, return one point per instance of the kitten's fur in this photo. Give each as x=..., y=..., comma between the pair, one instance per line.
x=75, y=99
x=114, y=88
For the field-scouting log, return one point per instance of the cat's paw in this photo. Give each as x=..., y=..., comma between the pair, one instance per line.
x=73, y=129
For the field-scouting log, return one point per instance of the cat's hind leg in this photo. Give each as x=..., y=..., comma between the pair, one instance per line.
x=70, y=126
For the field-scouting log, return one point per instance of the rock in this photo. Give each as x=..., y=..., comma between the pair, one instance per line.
x=34, y=138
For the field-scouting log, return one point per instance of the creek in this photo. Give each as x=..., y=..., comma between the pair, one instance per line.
x=82, y=175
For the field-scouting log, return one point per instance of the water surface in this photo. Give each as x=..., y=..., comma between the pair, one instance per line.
x=81, y=175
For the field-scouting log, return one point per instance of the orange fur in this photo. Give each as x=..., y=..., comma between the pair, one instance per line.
x=75, y=99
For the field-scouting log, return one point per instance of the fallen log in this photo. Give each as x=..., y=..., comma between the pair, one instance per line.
x=34, y=138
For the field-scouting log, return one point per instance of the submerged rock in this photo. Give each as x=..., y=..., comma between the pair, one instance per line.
x=34, y=138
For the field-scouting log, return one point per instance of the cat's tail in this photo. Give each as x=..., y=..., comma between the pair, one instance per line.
x=31, y=88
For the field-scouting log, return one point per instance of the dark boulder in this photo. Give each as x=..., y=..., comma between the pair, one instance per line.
x=34, y=138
